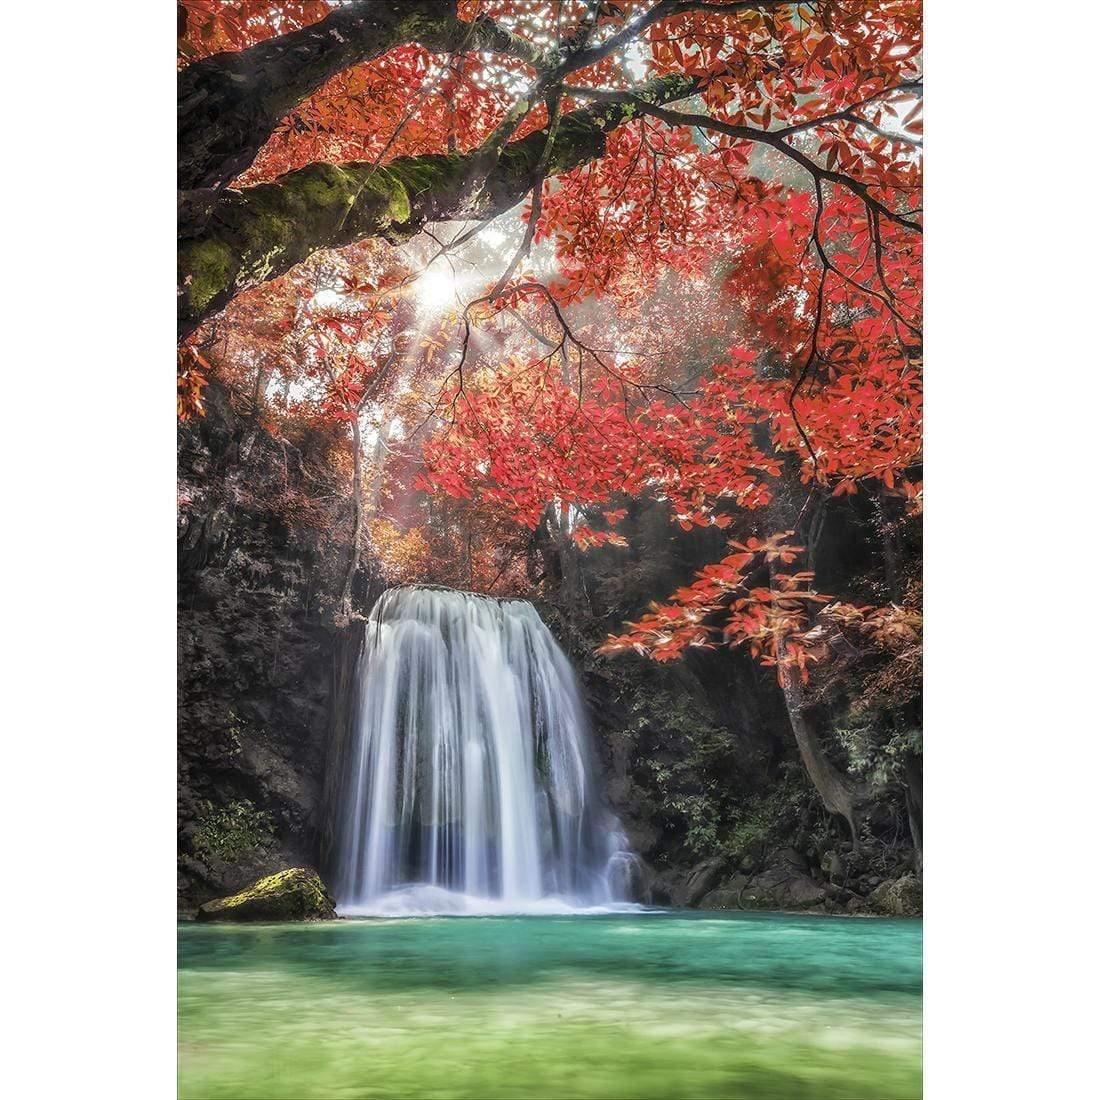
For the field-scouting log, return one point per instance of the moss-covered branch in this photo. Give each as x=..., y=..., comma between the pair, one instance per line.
x=228, y=104
x=242, y=238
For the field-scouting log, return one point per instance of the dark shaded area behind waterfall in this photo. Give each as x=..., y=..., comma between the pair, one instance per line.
x=700, y=761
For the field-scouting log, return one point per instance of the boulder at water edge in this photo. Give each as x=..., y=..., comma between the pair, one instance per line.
x=295, y=894
x=703, y=878
x=899, y=898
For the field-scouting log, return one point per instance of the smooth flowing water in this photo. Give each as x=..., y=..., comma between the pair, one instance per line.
x=471, y=786
x=647, y=1005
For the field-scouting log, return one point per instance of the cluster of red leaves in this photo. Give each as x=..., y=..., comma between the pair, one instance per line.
x=214, y=26
x=654, y=201
x=587, y=537
x=316, y=337
x=770, y=619
x=191, y=379
x=664, y=197
x=348, y=350
x=777, y=67
x=525, y=439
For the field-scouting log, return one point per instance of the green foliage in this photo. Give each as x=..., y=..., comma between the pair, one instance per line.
x=876, y=747
x=701, y=816
x=770, y=819
x=233, y=734
x=228, y=832
x=689, y=760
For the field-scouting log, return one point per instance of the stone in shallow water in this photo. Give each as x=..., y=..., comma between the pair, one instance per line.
x=294, y=894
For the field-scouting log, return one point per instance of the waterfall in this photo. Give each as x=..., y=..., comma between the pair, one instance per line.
x=471, y=784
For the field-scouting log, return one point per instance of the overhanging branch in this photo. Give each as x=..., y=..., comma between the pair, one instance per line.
x=235, y=240
x=229, y=104
x=774, y=139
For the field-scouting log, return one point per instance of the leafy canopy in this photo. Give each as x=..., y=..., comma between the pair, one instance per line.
x=712, y=289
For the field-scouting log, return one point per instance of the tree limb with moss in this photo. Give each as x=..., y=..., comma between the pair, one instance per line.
x=229, y=103
x=236, y=239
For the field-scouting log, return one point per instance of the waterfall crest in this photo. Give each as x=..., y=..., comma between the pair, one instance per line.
x=471, y=783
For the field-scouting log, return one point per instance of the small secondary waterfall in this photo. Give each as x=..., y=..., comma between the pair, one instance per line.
x=470, y=774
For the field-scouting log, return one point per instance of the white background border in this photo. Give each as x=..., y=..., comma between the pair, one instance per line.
x=88, y=457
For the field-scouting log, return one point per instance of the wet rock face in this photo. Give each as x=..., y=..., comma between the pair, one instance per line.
x=295, y=894
x=787, y=886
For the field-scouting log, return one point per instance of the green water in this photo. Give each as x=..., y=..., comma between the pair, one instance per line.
x=646, y=1005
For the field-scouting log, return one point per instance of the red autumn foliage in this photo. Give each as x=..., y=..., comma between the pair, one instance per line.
x=730, y=290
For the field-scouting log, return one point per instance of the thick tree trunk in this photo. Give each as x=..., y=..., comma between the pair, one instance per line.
x=228, y=104
x=841, y=794
x=237, y=239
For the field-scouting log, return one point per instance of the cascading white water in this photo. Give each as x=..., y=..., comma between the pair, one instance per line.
x=470, y=784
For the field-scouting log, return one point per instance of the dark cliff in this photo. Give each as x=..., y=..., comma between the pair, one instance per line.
x=256, y=647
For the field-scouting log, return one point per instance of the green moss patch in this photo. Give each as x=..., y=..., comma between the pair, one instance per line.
x=295, y=894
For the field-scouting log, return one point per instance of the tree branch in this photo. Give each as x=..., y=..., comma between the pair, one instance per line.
x=229, y=104
x=554, y=101
x=237, y=239
x=664, y=9
x=764, y=137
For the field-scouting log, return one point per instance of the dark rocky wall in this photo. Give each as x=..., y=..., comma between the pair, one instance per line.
x=256, y=648
x=701, y=763
x=346, y=693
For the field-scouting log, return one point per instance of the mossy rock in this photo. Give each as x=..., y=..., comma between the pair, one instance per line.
x=294, y=894
x=900, y=897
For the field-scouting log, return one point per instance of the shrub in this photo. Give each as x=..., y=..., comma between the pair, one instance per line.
x=228, y=832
